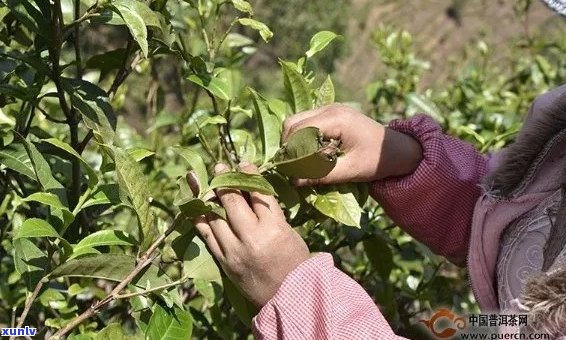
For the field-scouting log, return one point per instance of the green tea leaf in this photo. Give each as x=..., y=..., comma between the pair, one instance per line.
x=135, y=24
x=243, y=6
x=325, y=94
x=15, y=157
x=92, y=176
x=214, y=120
x=133, y=184
x=104, y=194
x=104, y=238
x=319, y=41
x=169, y=324
x=269, y=126
x=338, y=204
x=196, y=163
x=380, y=256
x=244, y=144
x=139, y=153
x=113, y=267
x=198, y=263
x=53, y=201
x=35, y=227
x=30, y=261
x=262, y=28
x=287, y=195
x=218, y=87
x=242, y=181
x=304, y=156
x=150, y=17
x=111, y=332
x=93, y=104
x=296, y=87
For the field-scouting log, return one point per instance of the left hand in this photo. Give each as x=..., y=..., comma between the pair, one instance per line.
x=256, y=247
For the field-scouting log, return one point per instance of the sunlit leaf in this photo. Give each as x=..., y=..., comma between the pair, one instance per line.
x=35, y=227
x=337, y=203
x=325, y=94
x=135, y=23
x=92, y=176
x=29, y=261
x=269, y=126
x=104, y=238
x=262, y=28
x=218, y=87
x=319, y=41
x=298, y=91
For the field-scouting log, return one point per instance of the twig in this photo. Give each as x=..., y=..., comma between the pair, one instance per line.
x=30, y=301
x=144, y=292
x=78, y=60
x=227, y=114
x=51, y=119
x=85, y=141
x=142, y=263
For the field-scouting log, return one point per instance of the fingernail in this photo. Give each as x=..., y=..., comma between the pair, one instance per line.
x=244, y=164
x=220, y=167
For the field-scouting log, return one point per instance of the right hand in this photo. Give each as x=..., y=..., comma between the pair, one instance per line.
x=371, y=151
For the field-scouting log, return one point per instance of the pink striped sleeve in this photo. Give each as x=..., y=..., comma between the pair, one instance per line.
x=318, y=301
x=435, y=204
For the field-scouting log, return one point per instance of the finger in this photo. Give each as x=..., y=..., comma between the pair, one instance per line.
x=194, y=185
x=295, y=119
x=206, y=233
x=264, y=206
x=239, y=213
x=329, y=126
x=225, y=236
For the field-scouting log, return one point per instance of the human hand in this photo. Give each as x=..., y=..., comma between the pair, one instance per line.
x=371, y=151
x=256, y=247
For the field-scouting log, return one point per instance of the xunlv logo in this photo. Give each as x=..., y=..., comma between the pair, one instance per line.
x=21, y=331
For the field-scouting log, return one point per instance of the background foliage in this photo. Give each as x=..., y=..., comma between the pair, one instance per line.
x=105, y=105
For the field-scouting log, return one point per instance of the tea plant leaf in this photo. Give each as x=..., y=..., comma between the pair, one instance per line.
x=319, y=42
x=104, y=238
x=243, y=6
x=30, y=17
x=380, y=256
x=218, y=87
x=196, y=163
x=296, y=87
x=92, y=176
x=132, y=183
x=35, y=227
x=420, y=104
x=304, y=156
x=139, y=154
x=93, y=104
x=113, y=267
x=43, y=171
x=195, y=207
x=269, y=126
x=286, y=193
x=111, y=332
x=15, y=157
x=337, y=204
x=325, y=94
x=30, y=261
x=214, y=120
x=150, y=17
x=262, y=28
x=53, y=201
x=135, y=23
x=104, y=194
x=244, y=144
x=198, y=263
x=169, y=324
x=242, y=181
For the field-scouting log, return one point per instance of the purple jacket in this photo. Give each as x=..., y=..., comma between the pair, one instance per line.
x=458, y=202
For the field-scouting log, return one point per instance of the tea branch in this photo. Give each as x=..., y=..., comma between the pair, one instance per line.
x=145, y=260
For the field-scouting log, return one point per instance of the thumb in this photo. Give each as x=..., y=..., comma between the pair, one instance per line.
x=334, y=177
